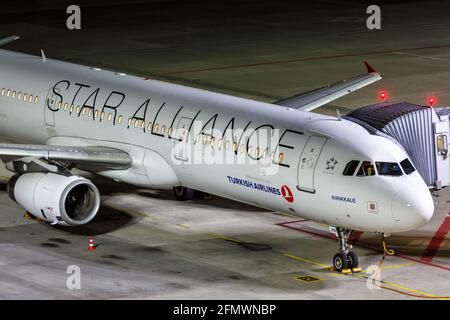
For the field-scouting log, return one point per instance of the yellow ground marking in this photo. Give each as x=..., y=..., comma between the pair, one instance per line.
x=224, y=237
x=335, y=274
x=399, y=286
x=397, y=266
x=308, y=279
x=394, y=285
x=288, y=255
x=183, y=226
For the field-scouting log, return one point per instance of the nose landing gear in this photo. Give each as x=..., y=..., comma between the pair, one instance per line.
x=345, y=259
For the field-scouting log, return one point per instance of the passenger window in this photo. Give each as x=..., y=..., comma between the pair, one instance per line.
x=388, y=169
x=366, y=169
x=36, y=99
x=407, y=166
x=350, y=168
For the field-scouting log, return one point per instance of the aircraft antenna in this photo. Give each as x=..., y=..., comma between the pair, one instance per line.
x=44, y=59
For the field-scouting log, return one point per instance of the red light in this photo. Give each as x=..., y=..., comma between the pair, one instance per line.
x=431, y=101
x=383, y=95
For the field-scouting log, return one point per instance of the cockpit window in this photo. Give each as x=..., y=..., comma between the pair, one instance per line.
x=366, y=169
x=350, y=168
x=388, y=169
x=407, y=166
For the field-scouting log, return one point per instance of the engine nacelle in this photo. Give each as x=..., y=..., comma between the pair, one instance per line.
x=58, y=199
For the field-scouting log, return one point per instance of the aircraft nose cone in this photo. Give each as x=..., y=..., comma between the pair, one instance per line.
x=412, y=208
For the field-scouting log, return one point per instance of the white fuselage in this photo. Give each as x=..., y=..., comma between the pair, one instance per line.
x=76, y=105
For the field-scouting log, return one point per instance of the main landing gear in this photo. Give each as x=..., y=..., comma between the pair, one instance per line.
x=185, y=193
x=344, y=259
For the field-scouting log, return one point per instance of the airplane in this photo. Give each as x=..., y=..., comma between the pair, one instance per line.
x=136, y=130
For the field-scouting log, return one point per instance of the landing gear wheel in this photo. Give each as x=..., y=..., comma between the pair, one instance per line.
x=345, y=258
x=352, y=258
x=183, y=193
x=340, y=261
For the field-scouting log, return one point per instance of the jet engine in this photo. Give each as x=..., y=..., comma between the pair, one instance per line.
x=55, y=198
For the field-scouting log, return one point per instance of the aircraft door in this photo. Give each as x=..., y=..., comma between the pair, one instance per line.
x=308, y=162
x=181, y=151
x=52, y=102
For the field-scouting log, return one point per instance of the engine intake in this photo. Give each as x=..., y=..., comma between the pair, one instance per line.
x=58, y=199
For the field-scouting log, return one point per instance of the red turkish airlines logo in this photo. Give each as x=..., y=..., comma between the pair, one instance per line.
x=287, y=193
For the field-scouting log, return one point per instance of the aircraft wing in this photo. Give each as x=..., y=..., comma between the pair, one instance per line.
x=311, y=100
x=106, y=157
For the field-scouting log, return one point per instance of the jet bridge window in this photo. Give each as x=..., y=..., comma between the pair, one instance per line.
x=388, y=169
x=367, y=169
x=407, y=166
x=441, y=144
x=350, y=168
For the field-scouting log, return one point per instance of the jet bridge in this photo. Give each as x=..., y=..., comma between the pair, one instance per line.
x=423, y=132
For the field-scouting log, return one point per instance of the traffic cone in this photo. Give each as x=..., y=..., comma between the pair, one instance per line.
x=91, y=245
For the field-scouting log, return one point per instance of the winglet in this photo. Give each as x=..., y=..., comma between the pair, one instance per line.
x=370, y=69
x=6, y=40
